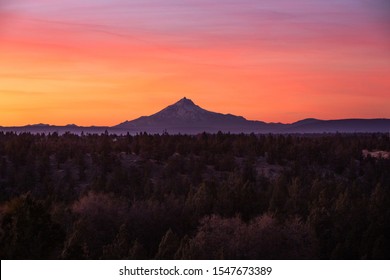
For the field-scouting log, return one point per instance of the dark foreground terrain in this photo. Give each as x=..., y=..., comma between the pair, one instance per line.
x=208, y=196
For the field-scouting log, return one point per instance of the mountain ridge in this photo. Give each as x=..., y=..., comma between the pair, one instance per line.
x=186, y=117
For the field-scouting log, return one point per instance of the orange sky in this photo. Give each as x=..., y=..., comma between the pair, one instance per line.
x=104, y=62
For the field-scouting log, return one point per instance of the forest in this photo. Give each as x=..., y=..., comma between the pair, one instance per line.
x=205, y=196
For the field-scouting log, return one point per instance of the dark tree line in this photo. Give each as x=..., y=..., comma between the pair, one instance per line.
x=208, y=196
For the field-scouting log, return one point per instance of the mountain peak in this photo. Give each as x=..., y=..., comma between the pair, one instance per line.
x=182, y=109
x=185, y=102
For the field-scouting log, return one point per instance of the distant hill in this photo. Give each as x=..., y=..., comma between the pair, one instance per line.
x=186, y=117
x=345, y=125
x=46, y=129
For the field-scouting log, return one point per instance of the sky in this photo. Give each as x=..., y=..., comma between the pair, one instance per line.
x=101, y=62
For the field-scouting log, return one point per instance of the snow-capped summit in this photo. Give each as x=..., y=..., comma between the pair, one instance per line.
x=184, y=109
x=185, y=102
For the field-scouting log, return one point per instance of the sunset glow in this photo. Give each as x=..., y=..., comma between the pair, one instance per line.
x=103, y=62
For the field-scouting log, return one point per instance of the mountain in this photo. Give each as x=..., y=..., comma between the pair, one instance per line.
x=186, y=117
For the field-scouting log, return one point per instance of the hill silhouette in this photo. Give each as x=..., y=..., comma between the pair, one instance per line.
x=185, y=117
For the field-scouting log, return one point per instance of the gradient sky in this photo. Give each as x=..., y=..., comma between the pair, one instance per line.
x=102, y=62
